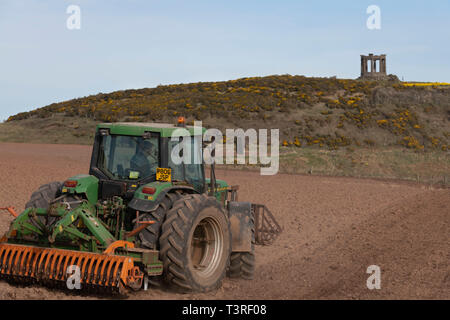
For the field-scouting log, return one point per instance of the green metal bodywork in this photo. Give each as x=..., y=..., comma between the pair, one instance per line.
x=159, y=187
x=87, y=185
x=221, y=189
x=76, y=228
x=138, y=129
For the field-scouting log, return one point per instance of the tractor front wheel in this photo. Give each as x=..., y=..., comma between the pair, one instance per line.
x=242, y=264
x=195, y=244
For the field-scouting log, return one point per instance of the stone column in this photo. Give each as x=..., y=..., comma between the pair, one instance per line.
x=363, y=66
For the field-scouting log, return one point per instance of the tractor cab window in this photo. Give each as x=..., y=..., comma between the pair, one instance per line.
x=192, y=172
x=128, y=157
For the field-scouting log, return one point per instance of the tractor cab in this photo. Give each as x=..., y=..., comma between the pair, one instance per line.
x=129, y=155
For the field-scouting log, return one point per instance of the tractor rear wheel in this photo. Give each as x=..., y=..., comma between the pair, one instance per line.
x=43, y=197
x=195, y=244
x=150, y=235
x=46, y=193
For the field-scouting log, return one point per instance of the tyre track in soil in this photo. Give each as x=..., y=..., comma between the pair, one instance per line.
x=334, y=228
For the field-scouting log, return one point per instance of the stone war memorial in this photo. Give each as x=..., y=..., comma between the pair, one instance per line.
x=373, y=67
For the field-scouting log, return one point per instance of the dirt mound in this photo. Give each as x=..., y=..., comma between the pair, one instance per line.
x=334, y=228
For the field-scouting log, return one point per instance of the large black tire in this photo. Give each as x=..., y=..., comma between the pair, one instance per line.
x=242, y=264
x=46, y=193
x=150, y=235
x=195, y=244
x=43, y=197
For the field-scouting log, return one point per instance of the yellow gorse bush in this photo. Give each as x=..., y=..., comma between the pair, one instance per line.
x=424, y=84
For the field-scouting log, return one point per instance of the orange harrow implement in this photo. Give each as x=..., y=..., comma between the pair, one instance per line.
x=97, y=272
x=11, y=211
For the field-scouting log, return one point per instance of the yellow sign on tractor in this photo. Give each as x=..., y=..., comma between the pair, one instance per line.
x=164, y=174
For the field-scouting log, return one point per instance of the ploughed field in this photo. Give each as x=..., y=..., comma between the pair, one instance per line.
x=334, y=228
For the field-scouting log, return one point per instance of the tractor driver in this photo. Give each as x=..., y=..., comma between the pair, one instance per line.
x=144, y=160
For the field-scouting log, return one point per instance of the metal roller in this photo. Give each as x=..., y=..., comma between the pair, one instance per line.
x=27, y=264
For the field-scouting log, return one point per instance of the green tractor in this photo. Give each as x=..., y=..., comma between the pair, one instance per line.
x=137, y=218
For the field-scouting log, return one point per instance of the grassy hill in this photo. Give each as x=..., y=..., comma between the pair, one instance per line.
x=321, y=114
x=325, y=112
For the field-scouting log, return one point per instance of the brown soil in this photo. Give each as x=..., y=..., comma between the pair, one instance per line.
x=334, y=228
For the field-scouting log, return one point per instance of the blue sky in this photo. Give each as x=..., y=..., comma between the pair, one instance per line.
x=138, y=43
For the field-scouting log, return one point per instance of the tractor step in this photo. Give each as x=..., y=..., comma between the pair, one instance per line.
x=48, y=266
x=266, y=227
